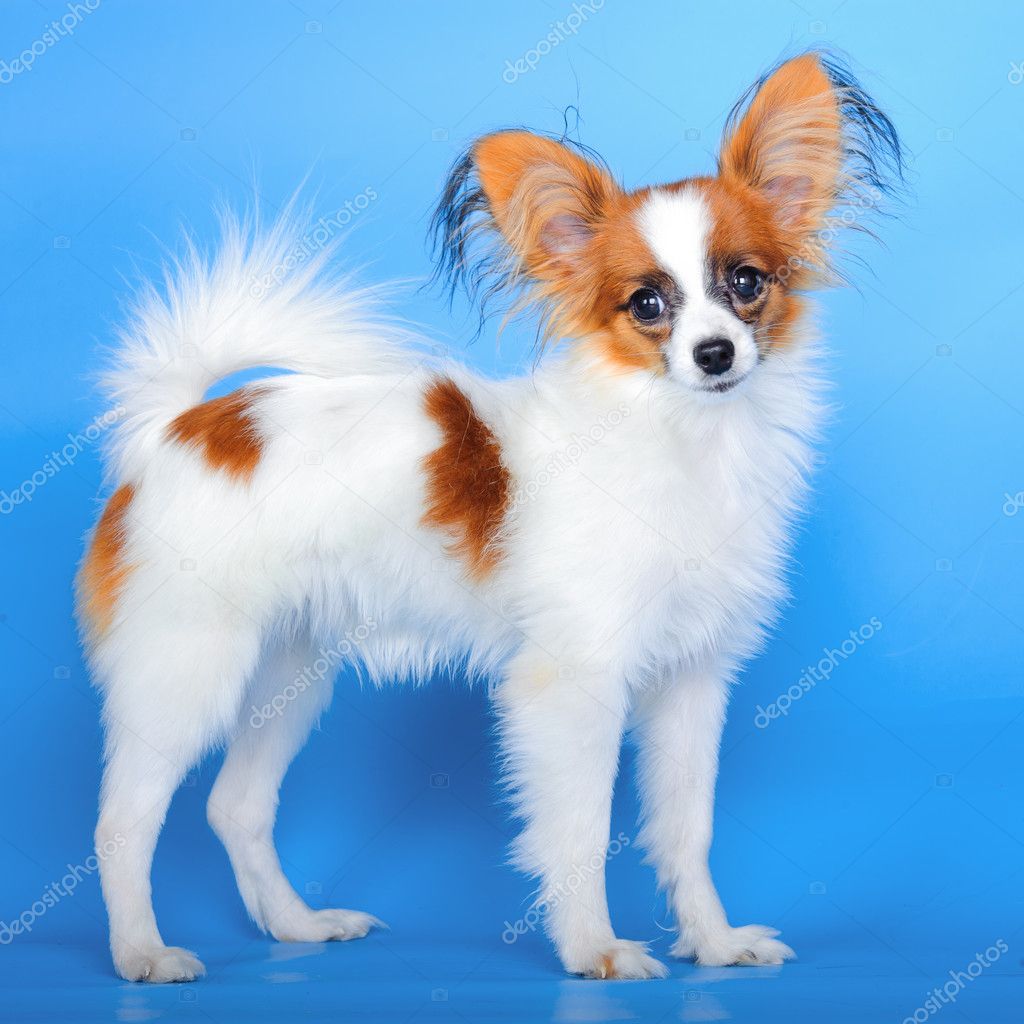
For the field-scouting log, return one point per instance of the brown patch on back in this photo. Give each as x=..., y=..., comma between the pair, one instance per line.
x=467, y=483
x=224, y=430
x=104, y=570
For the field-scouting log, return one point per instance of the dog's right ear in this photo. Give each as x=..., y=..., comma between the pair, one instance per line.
x=545, y=199
x=539, y=201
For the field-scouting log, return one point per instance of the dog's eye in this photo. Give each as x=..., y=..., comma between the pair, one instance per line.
x=747, y=283
x=646, y=304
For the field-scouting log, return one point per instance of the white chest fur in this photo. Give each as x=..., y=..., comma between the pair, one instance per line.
x=659, y=524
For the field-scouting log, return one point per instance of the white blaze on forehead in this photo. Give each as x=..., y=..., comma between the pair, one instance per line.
x=676, y=226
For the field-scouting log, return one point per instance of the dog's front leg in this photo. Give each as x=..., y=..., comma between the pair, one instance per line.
x=561, y=731
x=679, y=728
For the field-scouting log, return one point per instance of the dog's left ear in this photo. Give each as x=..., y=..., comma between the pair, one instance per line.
x=809, y=139
x=788, y=143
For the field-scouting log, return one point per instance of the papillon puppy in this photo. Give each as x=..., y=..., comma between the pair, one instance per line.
x=603, y=539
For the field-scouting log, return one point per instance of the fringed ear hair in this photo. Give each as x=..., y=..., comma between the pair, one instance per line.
x=816, y=146
x=515, y=222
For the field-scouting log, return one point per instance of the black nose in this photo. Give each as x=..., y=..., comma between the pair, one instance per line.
x=714, y=356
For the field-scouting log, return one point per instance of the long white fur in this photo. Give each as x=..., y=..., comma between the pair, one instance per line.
x=633, y=583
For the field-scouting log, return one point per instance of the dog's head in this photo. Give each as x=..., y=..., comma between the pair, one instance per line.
x=699, y=279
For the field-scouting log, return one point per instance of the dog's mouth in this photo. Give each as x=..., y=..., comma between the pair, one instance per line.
x=722, y=387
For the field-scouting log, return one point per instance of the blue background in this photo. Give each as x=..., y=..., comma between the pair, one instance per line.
x=879, y=823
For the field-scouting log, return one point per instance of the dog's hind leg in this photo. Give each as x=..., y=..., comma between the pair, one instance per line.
x=286, y=700
x=169, y=696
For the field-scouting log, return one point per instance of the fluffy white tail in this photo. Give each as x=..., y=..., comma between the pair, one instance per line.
x=263, y=299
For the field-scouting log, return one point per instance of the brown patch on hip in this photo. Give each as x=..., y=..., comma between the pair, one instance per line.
x=467, y=483
x=104, y=570
x=224, y=431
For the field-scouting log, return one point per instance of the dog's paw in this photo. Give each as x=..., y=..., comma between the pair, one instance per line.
x=620, y=959
x=752, y=945
x=323, y=925
x=159, y=964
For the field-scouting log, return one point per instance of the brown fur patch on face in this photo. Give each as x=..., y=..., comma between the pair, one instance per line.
x=104, y=570
x=620, y=262
x=224, y=431
x=467, y=484
x=745, y=231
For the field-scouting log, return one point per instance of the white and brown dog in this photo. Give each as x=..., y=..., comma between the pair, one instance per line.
x=604, y=539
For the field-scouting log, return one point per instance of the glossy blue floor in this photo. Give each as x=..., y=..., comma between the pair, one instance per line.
x=890, y=879
x=387, y=978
